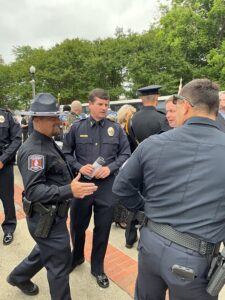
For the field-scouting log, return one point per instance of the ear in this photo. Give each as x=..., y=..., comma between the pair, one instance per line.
x=187, y=107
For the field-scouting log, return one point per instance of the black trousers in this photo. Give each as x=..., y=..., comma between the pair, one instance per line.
x=54, y=254
x=7, y=197
x=25, y=135
x=101, y=203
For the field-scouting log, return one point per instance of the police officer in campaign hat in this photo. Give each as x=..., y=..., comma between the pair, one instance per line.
x=144, y=123
x=177, y=177
x=46, y=199
x=10, y=141
x=91, y=139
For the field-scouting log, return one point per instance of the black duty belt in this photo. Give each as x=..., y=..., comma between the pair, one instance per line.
x=182, y=239
x=61, y=209
x=40, y=208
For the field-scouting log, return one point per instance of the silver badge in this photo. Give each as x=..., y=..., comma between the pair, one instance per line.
x=2, y=119
x=111, y=131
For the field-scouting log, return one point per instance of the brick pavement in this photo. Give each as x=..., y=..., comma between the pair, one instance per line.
x=120, y=268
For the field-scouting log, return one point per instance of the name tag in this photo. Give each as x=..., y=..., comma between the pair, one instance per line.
x=83, y=135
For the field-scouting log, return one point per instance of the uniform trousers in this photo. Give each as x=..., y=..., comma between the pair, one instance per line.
x=156, y=257
x=7, y=197
x=54, y=254
x=101, y=202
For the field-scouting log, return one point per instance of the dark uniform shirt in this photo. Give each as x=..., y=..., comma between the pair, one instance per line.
x=148, y=121
x=24, y=122
x=10, y=136
x=46, y=175
x=183, y=176
x=88, y=139
x=221, y=122
x=30, y=126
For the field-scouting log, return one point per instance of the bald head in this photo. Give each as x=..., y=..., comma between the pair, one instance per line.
x=76, y=107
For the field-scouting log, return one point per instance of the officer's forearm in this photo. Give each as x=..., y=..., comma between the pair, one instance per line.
x=76, y=166
x=11, y=150
x=114, y=166
x=133, y=203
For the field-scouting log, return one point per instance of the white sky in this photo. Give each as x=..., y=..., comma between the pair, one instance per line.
x=46, y=22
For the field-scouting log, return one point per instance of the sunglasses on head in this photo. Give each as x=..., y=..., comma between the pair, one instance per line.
x=176, y=98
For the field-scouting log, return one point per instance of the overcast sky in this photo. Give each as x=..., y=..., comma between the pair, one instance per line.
x=46, y=22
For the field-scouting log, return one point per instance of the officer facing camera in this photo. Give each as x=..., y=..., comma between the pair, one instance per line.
x=10, y=141
x=48, y=188
x=177, y=178
x=96, y=147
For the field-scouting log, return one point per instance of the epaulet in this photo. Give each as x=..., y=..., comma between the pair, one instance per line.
x=77, y=121
x=161, y=112
x=113, y=121
x=83, y=118
x=6, y=110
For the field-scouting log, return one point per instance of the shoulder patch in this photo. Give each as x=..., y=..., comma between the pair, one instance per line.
x=35, y=162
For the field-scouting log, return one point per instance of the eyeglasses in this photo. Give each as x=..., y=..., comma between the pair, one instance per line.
x=182, y=98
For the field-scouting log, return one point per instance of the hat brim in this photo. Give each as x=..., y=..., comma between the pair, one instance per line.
x=40, y=114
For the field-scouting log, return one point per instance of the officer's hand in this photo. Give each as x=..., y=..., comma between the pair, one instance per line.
x=87, y=170
x=102, y=172
x=82, y=189
x=1, y=165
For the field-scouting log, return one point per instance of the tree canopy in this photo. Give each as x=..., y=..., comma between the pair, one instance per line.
x=187, y=41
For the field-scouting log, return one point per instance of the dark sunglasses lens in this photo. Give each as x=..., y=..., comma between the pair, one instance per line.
x=174, y=100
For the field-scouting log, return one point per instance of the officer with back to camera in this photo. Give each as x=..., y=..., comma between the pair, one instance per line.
x=144, y=123
x=148, y=120
x=177, y=177
x=88, y=139
x=46, y=199
x=10, y=141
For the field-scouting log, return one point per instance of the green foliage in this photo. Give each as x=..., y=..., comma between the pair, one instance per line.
x=188, y=41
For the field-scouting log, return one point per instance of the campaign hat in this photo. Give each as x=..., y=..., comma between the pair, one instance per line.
x=44, y=105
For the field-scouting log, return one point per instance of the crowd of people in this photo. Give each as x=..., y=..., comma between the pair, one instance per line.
x=160, y=166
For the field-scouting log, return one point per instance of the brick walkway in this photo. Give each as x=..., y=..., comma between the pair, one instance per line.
x=120, y=268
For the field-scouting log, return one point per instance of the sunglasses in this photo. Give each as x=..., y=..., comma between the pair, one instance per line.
x=176, y=98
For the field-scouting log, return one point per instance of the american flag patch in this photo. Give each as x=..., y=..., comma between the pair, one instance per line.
x=35, y=162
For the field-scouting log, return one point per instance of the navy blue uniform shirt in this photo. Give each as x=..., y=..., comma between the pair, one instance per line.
x=46, y=175
x=88, y=139
x=148, y=121
x=10, y=136
x=182, y=173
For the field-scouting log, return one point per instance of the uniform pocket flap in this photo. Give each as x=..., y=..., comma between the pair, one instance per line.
x=110, y=141
x=84, y=140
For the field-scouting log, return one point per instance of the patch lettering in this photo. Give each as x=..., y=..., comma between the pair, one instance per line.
x=35, y=162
